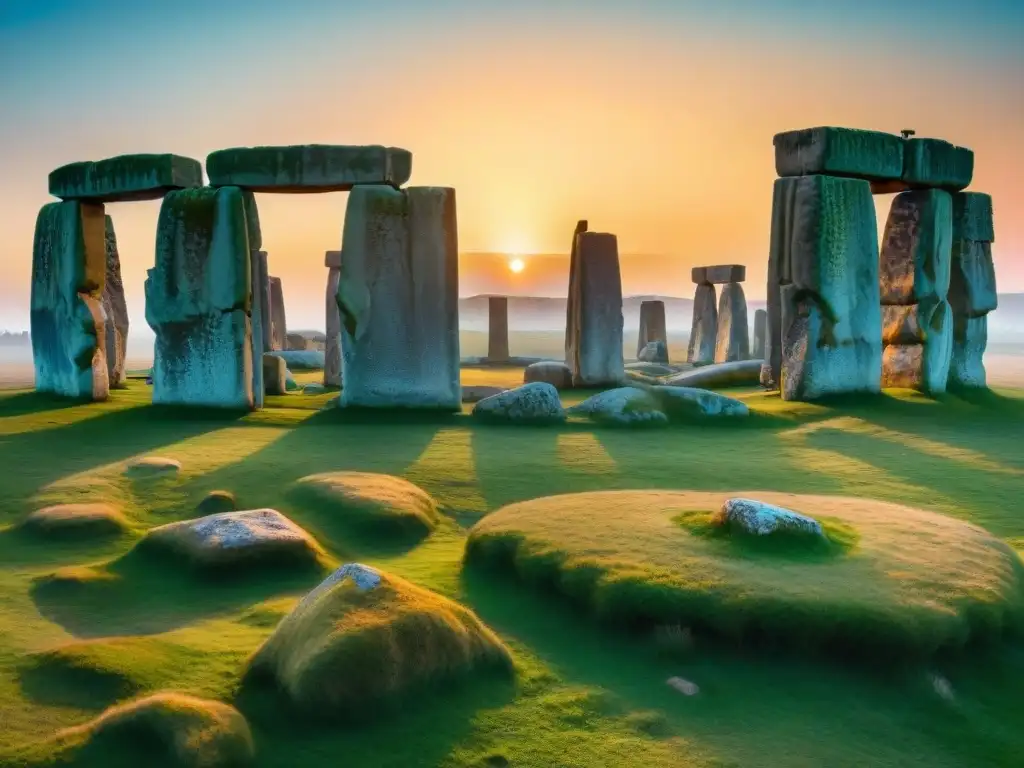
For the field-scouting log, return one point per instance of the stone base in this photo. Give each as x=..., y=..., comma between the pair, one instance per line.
x=967, y=362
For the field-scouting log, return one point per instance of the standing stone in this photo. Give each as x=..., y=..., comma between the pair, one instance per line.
x=261, y=281
x=704, y=329
x=967, y=364
x=595, y=342
x=652, y=326
x=257, y=273
x=760, y=326
x=332, y=346
x=972, y=285
x=296, y=342
x=733, y=339
x=398, y=299
x=275, y=375
x=68, y=275
x=278, y=324
x=497, y=328
x=115, y=311
x=918, y=341
x=570, y=306
x=198, y=300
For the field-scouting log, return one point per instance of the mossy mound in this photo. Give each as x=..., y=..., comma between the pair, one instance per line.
x=364, y=640
x=894, y=579
x=167, y=729
x=370, y=503
x=217, y=501
x=152, y=466
x=75, y=520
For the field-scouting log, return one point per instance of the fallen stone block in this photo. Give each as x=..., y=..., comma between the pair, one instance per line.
x=870, y=155
x=275, y=375
x=719, y=275
x=556, y=374
x=704, y=328
x=652, y=327
x=308, y=168
x=760, y=328
x=497, y=328
x=534, y=403
x=972, y=285
x=733, y=338
x=923, y=366
x=916, y=251
x=115, y=311
x=596, y=328
x=332, y=346
x=125, y=178
x=278, y=321
x=624, y=406
x=937, y=163
x=967, y=361
x=68, y=331
x=740, y=373
x=686, y=403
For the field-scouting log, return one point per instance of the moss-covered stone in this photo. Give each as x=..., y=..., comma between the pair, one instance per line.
x=125, y=177
x=972, y=285
x=252, y=220
x=870, y=155
x=967, y=363
x=937, y=163
x=309, y=168
x=972, y=217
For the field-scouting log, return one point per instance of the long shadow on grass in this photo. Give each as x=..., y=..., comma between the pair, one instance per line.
x=24, y=403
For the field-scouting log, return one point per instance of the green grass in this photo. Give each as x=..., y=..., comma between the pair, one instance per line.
x=83, y=625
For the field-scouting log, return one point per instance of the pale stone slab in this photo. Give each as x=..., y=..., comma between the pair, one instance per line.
x=760, y=332
x=972, y=287
x=275, y=375
x=332, y=347
x=533, y=403
x=67, y=319
x=733, y=338
x=556, y=374
x=278, y=320
x=497, y=328
x=967, y=363
x=596, y=341
x=972, y=217
x=125, y=178
x=870, y=155
x=652, y=327
x=937, y=163
x=914, y=263
x=704, y=329
x=923, y=366
x=257, y=275
x=308, y=168
x=398, y=298
x=719, y=274
x=332, y=259
x=570, y=302
x=759, y=518
x=115, y=311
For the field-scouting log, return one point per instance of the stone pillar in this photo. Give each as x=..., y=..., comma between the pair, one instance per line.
x=972, y=287
x=497, y=329
x=257, y=313
x=332, y=347
x=198, y=300
x=652, y=326
x=262, y=285
x=595, y=339
x=570, y=309
x=278, y=324
x=731, y=336
x=115, y=311
x=398, y=299
x=914, y=274
x=68, y=274
x=760, y=327
x=704, y=328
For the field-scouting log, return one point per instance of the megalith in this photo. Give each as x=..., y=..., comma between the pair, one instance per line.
x=125, y=178
x=760, y=329
x=309, y=168
x=275, y=375
x=261, y=284
x=398, y=299
x=704, y=328
x=733, y=339
x=497, y=329
x=570, y=310
x=198, y=300
x=595, y=340
x=115, y=311
x=332, y=346
x=67, y=320
x=257, y=277
x=652, y=326
x=278, y=323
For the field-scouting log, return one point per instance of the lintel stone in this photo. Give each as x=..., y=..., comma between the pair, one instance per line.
x=852, y=152
x=719, y=274
x=332, y=259
x=937, y=163
x=125, y=178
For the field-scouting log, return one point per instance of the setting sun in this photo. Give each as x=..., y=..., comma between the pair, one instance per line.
x=516, y=265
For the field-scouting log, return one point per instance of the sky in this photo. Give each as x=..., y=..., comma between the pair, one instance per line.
x=653, y=119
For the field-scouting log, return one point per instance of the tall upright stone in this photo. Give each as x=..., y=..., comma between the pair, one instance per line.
x=115, y=311
x=278, y=322
x=398, y=299
x=652, y=325
x=497, y=328
x=332, y=346
x=595, y=342
x=704, y=328
x=733, y=339
x=570, y=308
x=68, y=273
x=257, y=276
x=261, y=283
x=198, y=300
x=760, y=333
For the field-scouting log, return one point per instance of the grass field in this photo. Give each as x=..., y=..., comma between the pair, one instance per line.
x=85, y=625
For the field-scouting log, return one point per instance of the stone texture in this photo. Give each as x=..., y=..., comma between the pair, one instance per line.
x=937, y=163
x=759, y=518
x=570, y=301
x=308, y=168
x=257, y=276
x=198, y=300
x=332, y=259
x=115, y=311
x=623, y=406
x=719, y=275
x=126, y=177
x=652, y=327
x=972, y=285
x=704, y=329
x=532, y=403
x=972, y=217
x=967, y=362
x=556, y=374
x=275, y=374
x=760, y=332
x=740, y=373
x=914, y=262
x=596, y=339
x=296, y=342
x=823, y=284
x=733, y=339
x=870, y=155
x=653, y=352
x=924, y=365
x=67, y=320
x=301, y=359
x=690, y=402
x=332, y=347
x=252, y=220
x=398, y=298
x=261, y=281
x=497, y=328
x=278, y=321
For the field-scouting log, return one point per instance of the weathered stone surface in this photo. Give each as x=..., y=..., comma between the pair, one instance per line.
x=126, y=177
x=497, y=328
x=556, y=374
x=862, y=154
x=704, y=329
x=759, y=518
x=275, y=372
x=923, y=366
x=296, y=342
x=733, y=340
x=261, y=281
x=937, y=163
x=570, y=301
x=972, y=217
x=115, y=311
x=533, y=403
x=624, y=406
x=198, y=300
x=278, y=321
x=651, y=369
x=967, y=363
x=332, y=348
x=739, y=373
x=301, y=359
x=68, y=275
x=257, y=277
x=760, y=331
x=914, y=263
x=719, y=275
x=680, y=403
x=824, y=259
x=308, y=168
x=972, y=285
x=652, y=327
x=596, y=340
x=332, y=259
x=252, y=220
x=398, y=297
x=653, y=352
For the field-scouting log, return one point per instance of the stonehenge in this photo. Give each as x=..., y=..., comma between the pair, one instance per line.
x=497, y=329
x=278, y=322
x=972, y=287
x=581, y=226
x=760, y=331
x=594, y=331
x=719, y=331
x=653, y=330
x=332, y=347
x=115, y=310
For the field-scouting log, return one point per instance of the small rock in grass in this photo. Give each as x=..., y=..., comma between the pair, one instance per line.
x=683, y=685
x=548, y=372
x=217, y=501
x=623, y=406
x=363, y=577
x=942, y=687
x=532, y=403
x=314, y=389
x=761, y=519
x=290, y=384
x=153, y=465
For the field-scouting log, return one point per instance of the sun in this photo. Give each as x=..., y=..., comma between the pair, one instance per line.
x=517, y=265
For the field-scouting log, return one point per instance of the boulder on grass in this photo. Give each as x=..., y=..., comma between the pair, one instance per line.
x=534, y=403
x=624, y=406
x=759, y=518
x=685, y=403
x=275, y=375
x=556, y=374
x=654, y=352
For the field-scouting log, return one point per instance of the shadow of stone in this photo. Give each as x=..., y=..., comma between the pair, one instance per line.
x=24, y=403
x=21, y=547
x=56, y=684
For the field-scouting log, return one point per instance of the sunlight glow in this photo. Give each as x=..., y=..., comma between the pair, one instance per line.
x=516, y=265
